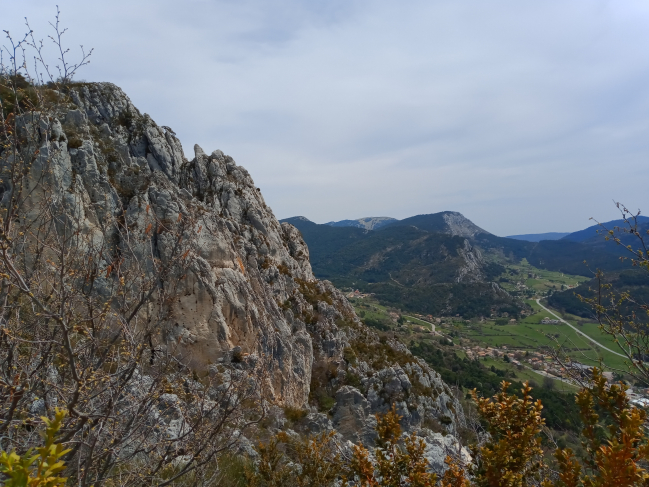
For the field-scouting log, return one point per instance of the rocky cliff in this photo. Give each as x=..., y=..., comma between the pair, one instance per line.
x=248, y=295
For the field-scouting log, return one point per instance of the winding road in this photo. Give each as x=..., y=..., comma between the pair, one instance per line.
x=538, y=301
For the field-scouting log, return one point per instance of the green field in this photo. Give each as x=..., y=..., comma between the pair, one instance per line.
x=372, y=312
x=530, y=334
x=528, y=374
x=416, y=321
x=541, y=282
x=526, y=334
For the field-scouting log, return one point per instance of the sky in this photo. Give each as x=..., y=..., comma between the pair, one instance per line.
x=526, y=117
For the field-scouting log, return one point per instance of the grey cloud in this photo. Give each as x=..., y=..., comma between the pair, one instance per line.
x=525, y=116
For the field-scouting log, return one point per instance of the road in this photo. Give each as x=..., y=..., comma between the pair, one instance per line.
x=545, y=374
x=418, y=319
x=538, y=301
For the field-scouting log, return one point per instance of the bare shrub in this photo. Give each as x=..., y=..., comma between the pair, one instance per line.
x=85, y=293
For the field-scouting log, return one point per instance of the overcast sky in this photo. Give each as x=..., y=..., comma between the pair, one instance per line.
x=527, y=117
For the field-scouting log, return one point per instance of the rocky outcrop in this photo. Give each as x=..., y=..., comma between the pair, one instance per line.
x=247, y=295
x=108, y=162
x=422, y=399
x=472, y=270
x=460, y=226
x=439, y=446
x=351, y=416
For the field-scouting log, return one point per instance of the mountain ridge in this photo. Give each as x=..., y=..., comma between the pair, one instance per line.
x=368, y=223
x=451, y=222
x=409, y=262
x=441, y=262
x=456, y=223
x=593, y=231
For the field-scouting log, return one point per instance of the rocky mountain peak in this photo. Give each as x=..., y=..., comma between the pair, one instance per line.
x=302, y=218
x=459, y=225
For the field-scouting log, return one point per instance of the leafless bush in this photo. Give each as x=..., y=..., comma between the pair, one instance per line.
x=85, y=293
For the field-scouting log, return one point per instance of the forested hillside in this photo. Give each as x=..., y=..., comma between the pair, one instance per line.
x=442, y=263
x=403, y=265
x=633, y=282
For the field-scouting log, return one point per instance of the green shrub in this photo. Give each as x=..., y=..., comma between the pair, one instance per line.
x=350, y=356
x=25, y=95
x=74, y=142
x=312, y=294
x=295, y=414
x=232, y=469
x=353, y=380
x=325, y=401
x=41, y=470
x=125, y=118
x=446, y=420
x=378, y=324
x=283, y=270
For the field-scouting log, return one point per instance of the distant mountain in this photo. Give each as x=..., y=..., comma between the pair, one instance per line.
x=448, y=222
x=593, y=233
x=442, y=263
x=424, y=263
x=368, y=223
x=537, y=237
x=635, y=282
x=298, y=218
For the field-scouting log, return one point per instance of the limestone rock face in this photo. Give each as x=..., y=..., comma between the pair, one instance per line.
x=109, y=160
x=460, y=226
x=352, y=417
x=471, y=271
x=421, y=398
x=248, y=295
x=438, y=447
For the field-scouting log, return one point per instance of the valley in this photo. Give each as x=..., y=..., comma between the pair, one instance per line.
x=479, y=308
x=493, y=337
x=443, y=264
x=450, y=347
x=440, y=282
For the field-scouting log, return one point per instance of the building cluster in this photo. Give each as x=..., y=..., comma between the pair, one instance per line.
x=422, y=329
x=428, y=318
x=357, y=294
x=535, y=360
x=548, y=321
x=478, y=352
x=638, y=397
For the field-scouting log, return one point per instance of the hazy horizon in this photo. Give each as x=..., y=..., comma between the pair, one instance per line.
x=524, y=117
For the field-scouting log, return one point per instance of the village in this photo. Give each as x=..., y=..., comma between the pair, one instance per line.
x=535, y=360
x=357, y=294
x=543, y=364
x=547, y=366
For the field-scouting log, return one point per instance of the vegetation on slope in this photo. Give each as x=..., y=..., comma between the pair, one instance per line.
x=406, y=267
x=632, y=281
x=414, y=264
x=512, y=454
